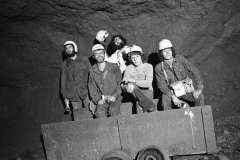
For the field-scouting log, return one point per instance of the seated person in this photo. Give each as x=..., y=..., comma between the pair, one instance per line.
x=137, y=80
x=104, y=84
x=172, y=69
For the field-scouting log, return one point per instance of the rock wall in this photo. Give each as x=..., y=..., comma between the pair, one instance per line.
x=33, y=32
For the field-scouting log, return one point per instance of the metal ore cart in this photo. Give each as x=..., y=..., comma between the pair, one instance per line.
x=148, y=136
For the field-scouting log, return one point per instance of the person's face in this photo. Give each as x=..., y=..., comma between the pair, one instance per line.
x=117, y=41
x=167, y=53
x=99, y=55
x=136, y=59
x=69, y=50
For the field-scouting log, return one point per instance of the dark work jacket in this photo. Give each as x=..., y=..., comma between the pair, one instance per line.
x=104, y=83
x=180, y=65
x=74, y=78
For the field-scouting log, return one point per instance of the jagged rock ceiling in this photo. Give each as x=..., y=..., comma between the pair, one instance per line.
x=206, y=31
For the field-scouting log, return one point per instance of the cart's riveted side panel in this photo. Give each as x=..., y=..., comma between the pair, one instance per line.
x=81, y=140
x=177, y=132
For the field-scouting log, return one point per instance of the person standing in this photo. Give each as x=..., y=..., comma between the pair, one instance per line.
x=175, y=67
x=74, y=78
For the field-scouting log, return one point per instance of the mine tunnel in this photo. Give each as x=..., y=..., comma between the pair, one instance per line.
x=33, y=32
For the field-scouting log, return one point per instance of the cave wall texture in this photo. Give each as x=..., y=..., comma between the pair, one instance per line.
x=33, y=32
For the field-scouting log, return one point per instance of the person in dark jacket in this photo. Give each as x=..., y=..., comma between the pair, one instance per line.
x=175, y=66
x=74, y=78
x=104, y=84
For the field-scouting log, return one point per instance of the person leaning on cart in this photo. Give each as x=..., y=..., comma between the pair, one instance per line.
x=172, y=69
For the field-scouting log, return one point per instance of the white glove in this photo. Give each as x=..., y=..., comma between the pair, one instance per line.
x=66, y=102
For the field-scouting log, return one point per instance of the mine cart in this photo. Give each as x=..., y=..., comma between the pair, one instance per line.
x=146, y=136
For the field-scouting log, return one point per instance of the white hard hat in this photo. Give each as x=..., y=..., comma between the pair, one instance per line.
x=72, y=43
x=165, y=43
x=102, y=35
x=135, y=48
x=97, y=47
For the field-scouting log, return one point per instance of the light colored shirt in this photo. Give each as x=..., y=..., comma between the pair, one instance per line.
x=143, y=76
x=118, y=59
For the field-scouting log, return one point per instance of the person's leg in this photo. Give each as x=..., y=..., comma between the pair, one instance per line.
x=166, y=102
x=77, y=105
x=199, y=101
x=114, y=108
x=101, y=111
x=149, y=95
x=143, y=101
x=86, y=102
x=129, y=98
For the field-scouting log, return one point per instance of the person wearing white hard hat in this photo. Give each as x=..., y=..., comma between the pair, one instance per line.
x=104, y=84
x=101, y=37
x=137, y=80
x=117, y=51
x=74, y=77
x=172, y=69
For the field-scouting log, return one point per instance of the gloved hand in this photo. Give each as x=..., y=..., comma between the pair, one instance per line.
x=67, y=104
x=101, y=102
x=196, y=93
x=176, y=101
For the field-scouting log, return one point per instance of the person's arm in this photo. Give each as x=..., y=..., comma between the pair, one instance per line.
x=88, y=67
x=194, y=71
x=63, y=80
x=146, y=83
x=126, y=74
x=94, y=92
x=122, y=66
x=118, y=89
x=161, y=81
x=122, y=63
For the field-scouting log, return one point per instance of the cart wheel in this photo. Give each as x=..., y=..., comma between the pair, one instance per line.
x=116, y=155
x=151, y=153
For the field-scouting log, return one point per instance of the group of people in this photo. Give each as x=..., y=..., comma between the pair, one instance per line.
x=119, y=70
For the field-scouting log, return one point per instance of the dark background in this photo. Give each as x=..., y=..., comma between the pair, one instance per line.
x=32, y=33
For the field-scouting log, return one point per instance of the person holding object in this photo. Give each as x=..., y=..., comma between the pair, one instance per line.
x=101, y=37
x=74, y=77
x=117, y=51
x=104, y=84
x=172, y=69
